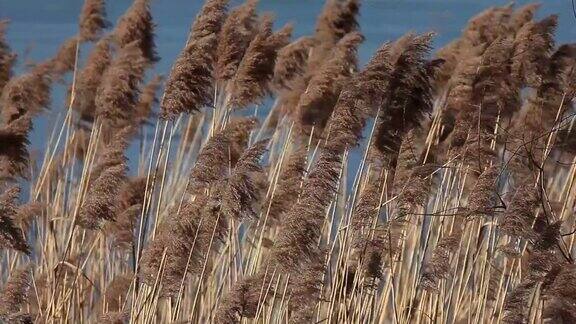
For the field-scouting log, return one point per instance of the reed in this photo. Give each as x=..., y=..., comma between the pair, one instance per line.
x=425, y=186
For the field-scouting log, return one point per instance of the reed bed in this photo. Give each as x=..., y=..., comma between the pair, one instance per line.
x=243, y=201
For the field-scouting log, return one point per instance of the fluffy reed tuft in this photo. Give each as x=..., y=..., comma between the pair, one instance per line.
x=14, y=295
x=360, y=98
x=137, y=26
x=288, y=187
x=409, y=92
x=316, y=104
x=106, y=180
x=532, y=46
x=221, y=152
x=337, y=19
x=189, y=85
x=11, y=236
x=240, y=193
x=242, y=301
x=191, y=81
x=292, y=62
x=26, y=93
x=300, y=230
x=256, y=70
x=237, y=32
x=117, y=94
x=89, y=79
x=7, y=57
x=14, y=155
x=93, y=20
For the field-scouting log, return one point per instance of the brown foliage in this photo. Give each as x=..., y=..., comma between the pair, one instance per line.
x=409, y=92
x=26, y=93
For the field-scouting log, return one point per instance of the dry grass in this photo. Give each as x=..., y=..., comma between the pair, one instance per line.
x=461, y=209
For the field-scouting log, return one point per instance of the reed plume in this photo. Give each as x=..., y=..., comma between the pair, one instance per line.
x=221, y=152
x=288, y=187
x=517, y=219
x=26, y=93
x=482, y=200
x=209, y=21
x=254, y=75
x=28, y=213
x=367, y=208
x=187, y=239
x=7, y=57
x=130, y=201
x=93, y=20
x=409, y=92
x=240, y=192
x=516, y=303
x=14, y=295
x=191, y=81
x=65, y=59
x=243, y=299
x=337, y=19
x=408, y=158
x=136, y=26
x=106, y=179
x=11, y=236
x=300, y=230
x=89, y=79
x=291, y=62
x=533, y=45
x=414, y=192
x=438, y=267
x=360, y=99
x=14, y=142
x=306, y=289
x=458, y=208
x=316, y=104
x=99, y=205
x=237, y=32
x=522, y=16
x=189, y=85
x=148, y=99
x=560, y=306
x=487, y=26
x=117, y=94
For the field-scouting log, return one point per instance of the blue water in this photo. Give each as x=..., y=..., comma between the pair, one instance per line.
x=38, y=27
